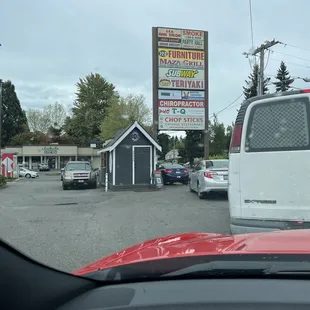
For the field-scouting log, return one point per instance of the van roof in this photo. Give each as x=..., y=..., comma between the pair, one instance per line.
x=246, y=103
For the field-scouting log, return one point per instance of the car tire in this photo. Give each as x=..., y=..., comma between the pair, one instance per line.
x=185, y=183
x=65, y=187
x=200, y=195
x=28, y=176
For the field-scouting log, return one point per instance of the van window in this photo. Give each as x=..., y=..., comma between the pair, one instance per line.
x=278, y=126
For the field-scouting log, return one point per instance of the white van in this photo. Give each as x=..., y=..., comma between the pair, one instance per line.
x=269, y=164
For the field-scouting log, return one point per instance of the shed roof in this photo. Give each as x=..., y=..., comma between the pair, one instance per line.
x=121, y=134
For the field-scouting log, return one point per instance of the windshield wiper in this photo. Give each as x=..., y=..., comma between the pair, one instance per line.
x=226, y=268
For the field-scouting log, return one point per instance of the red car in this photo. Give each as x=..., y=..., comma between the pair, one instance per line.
x=181, y=271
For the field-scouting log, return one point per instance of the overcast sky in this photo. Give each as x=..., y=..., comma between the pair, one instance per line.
x=48, y=45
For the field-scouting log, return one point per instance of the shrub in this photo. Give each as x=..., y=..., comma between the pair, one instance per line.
x=2, y=181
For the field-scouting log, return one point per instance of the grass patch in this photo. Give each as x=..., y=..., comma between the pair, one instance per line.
x=10, y=179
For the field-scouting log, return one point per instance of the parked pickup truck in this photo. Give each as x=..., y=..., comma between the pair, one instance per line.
x=79, y=173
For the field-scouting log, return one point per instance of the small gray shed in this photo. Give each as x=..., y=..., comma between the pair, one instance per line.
x=129, y=158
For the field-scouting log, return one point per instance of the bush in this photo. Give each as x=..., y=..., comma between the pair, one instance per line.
x=2, y=181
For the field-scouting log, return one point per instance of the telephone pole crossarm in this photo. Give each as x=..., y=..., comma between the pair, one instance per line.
x=261, y=51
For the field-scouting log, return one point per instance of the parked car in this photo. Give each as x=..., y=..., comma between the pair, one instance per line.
x=44, y=167
x=79, y=173
x=174, y=173
x=26, y=173
x=210, y=176
x=62, y=171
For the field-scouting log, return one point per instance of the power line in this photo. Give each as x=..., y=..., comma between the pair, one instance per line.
x=289, y=55
x=294, y=46
x=229, y=105
x=291, y=63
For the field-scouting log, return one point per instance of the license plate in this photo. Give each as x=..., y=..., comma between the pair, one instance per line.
x=179, y=177
x=81, y=181
x=178, y=172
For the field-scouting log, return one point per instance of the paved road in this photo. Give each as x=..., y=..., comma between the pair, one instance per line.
x=68, y=229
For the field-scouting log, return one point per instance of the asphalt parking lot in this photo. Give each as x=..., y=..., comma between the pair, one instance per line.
x=68, y=229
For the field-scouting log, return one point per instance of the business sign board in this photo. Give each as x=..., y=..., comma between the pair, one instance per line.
x=181, y=122
x=180, y=75
x=180, y=78
x=181, y=94
x=179, y=38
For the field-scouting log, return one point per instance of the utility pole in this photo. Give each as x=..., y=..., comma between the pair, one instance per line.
x=261, y=51
x=0, y=125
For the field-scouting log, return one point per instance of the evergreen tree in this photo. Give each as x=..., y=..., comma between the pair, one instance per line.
x=14, y=119
x=250, y=90
x=284, y=80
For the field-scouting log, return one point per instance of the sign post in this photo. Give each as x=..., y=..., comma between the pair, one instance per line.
x=180, y=81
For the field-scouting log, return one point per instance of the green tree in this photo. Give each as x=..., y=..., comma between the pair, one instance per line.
x=51, y=115
x=29, y=138
x=163, y=141
x=124, y=112
x=217, y=137
x=284, y=80
x=250, y=90
x=93, y=98
x=194, y=144
x=229, y=131
x=14, y=119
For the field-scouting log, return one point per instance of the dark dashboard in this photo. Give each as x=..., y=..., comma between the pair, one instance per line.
x=226, y=294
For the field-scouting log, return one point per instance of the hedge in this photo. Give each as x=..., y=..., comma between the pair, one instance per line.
x=2, y=181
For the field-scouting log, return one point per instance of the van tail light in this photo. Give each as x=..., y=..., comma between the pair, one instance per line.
x=167, y=171
x=305, y=90
x=186, y=171
x=209, y=175
x=235, y=142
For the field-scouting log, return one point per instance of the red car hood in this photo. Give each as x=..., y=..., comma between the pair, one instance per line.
x=194, y=244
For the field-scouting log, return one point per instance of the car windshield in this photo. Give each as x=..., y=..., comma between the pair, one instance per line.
x=217, y=164
x=137, y=120
x=78, y=166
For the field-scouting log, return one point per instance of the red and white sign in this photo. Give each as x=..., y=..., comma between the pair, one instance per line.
x=181, y=122
x=7, y=162
x=181, y=103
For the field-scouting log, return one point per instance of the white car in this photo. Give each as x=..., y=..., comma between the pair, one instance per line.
x=269, y=167
x=26, y=173
x=212, y=177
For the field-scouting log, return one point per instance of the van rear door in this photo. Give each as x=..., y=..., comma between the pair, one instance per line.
x=275, y=159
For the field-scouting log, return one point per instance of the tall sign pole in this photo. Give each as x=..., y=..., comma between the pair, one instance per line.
x=180, y=81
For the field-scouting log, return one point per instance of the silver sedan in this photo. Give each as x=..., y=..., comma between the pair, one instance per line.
x=211, y=177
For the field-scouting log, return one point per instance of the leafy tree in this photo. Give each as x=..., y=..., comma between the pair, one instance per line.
x=250, y=90
x=93, y=97
x=284, y=80
x=229, y=131
x=124, y=112
x=14, y=119
x=163, y=141
x=194, y=144
x=217, y=139
x=52, y=115
x=29, y=138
